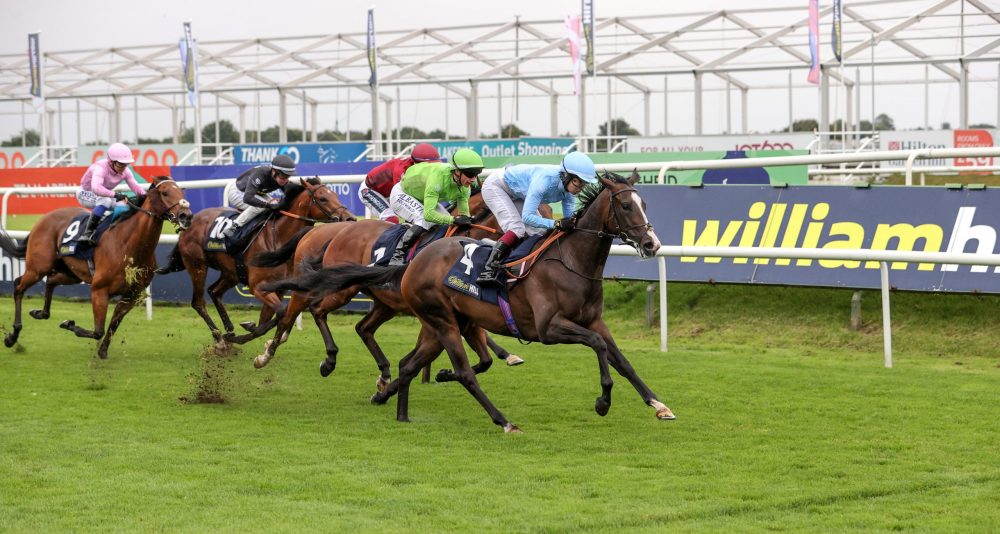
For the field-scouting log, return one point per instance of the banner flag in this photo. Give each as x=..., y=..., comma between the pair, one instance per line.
x=588, y=34
x=573, y=36
x=189, y=60
x=373, y=79
x=835, y=40
x=35, y=68
x=814, y=41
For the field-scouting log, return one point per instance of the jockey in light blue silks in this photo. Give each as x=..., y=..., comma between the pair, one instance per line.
x=514, y=194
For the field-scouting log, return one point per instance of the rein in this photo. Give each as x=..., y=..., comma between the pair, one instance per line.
x=452, y=229
x=330, y=215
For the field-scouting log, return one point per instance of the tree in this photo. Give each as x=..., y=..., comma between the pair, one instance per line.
x=946, y=125
x=884, y=122
x=982, y=126
x=618, y=127
x=436, y=134
x=805, y=125
x=227, y=133
x=510, y=131
x=411, y=132
x=30, y=138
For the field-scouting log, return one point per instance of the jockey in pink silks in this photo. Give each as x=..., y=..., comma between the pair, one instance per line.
x=97, y=186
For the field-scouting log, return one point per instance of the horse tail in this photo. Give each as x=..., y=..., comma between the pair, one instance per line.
x=333, y=279
x=174, y=262
x=11, y=246
x=282, y=254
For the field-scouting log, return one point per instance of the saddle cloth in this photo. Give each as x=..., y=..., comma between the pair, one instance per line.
x=69, y=242
x=463, y=274
x=215, y=241
x=386, y=243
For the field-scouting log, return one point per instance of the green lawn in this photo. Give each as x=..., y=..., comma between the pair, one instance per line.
x=786, y=421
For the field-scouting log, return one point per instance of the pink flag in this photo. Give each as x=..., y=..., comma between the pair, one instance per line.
x=573, y=36
x=814, y=41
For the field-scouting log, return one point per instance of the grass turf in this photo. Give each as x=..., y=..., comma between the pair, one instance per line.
x=786, y=421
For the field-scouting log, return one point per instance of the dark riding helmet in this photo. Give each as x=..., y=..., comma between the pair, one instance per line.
x=283, y=164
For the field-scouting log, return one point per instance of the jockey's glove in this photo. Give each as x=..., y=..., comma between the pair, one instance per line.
x=565, y=224
x=120, y=196
x=462, y=220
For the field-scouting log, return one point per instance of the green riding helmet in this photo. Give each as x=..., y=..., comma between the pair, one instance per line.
x=466, y=159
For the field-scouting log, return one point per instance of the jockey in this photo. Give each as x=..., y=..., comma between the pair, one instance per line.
x=97, y=186
x=248, y=192
x=415, y=198
x=515, y=193
x=380, y=180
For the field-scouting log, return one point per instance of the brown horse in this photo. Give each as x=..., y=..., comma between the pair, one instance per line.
x=333, y=244
x=560, y=301
x=123, y=263
x=305, y=203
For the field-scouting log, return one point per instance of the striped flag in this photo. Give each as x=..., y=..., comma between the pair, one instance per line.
x=588, y=34
x=835, y=40
x=189, y=59
x=35, y=69
x=573, y=36
x=814, y=41
x=373, y=78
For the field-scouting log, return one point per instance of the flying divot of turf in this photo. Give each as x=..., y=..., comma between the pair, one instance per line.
x=212, y=382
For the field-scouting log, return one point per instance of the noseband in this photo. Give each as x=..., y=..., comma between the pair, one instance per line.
x=167, y=215
x=622, y=231
x=330, y=217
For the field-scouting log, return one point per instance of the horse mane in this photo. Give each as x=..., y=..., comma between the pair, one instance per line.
x=590, y=192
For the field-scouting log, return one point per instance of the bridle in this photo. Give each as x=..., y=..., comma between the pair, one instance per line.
x=330, y=215
x=167, y=214
x=622, y=232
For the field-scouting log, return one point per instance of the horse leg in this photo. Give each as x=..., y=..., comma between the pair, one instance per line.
x=479, y=341
x=621, y=364
x=43, y=313
x=560, y=330
x=124, y=305
x=198, y=275
x=284, y=326
x=99, y=304
x=503, y=354
x=320, y=309
x=271, y=305
x=427, y=350
x=264, y=320
x=225, y=282
x=21, y=284
x=448, y=334
x=366, y=327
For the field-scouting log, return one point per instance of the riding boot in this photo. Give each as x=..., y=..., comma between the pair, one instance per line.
x=231, y=231
x=490, y=277
x=88, y=233
x=411, y=236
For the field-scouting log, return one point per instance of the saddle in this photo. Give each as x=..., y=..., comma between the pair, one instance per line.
x=69, y=242
x=386, y=243
x=237, y=244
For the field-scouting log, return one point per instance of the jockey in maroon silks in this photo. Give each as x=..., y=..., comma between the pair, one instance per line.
x=374, y=192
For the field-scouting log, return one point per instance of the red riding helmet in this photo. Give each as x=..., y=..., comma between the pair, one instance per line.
x=425, y=152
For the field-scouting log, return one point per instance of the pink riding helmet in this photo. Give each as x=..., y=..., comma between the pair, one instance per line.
x=120, y=153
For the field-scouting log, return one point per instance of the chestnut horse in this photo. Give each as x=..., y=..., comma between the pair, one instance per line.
x=560, y=301
x=123, y=263
x=305, y=203
x=333, y=245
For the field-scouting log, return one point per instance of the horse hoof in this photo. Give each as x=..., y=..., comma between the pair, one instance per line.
x=68, y=324
x=403, y=419
x=39, y=314
x=249, y=326
x=327, y=367
x=381, y=384
x=445, y=375
x=9, y=340
x=602, y=406
x=511, y=428
x=284, y=337
x=664, y=414
x=513, y=360
x=228, y=337
x=260, y=361
x=379, y=398
x=102, y=354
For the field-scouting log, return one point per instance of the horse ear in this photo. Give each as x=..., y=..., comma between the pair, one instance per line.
x=635, y=177
x=606, y=180
x=302, y=181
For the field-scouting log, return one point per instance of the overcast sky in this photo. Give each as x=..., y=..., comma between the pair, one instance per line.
x=76, y=24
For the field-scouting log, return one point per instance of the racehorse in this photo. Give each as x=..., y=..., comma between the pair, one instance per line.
x=123, y=263
x=305, y=203
x=560, y=301
x=333, y=245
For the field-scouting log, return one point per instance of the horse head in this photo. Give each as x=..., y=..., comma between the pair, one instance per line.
x=320, y=203
x=625, y=216
x=167, y=201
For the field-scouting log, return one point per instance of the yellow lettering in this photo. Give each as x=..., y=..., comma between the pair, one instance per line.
x=814, y=230
x=709, y=237
x=774, y=219
x=749, y=236
x=906, y=236
x=855, y=234
x=792, y=231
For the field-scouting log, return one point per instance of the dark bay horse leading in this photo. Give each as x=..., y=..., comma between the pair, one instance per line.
x=123, y=264
x=560, y=301
x=305, y=203
x=336, y=246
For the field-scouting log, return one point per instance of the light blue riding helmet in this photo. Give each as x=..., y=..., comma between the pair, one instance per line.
x=580, y=164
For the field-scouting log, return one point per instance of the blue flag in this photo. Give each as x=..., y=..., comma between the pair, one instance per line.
x=835, y=40
x=373, y=79
x=189, y=59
